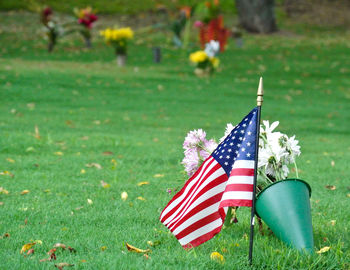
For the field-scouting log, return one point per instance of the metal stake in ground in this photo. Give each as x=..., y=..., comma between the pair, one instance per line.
x=252, y=218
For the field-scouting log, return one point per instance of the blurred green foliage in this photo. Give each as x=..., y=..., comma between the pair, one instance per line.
x=107, y=7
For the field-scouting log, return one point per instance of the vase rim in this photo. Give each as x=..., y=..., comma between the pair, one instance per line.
x=287, y=180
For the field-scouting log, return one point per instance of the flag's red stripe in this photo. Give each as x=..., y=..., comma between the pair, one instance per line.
x=198, y=208
x=237, y=202
x=182, y=205
x=199, y=224
x=205, y=166
x=219, y=180
x=203, y=238
x=210, y=201
x=199, y=171
x=242, y=172
x=239, y=187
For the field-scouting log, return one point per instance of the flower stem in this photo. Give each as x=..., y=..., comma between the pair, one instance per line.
x=296, y=169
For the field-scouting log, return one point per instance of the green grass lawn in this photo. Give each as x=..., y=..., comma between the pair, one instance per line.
x=106, y=6
x=132, y=122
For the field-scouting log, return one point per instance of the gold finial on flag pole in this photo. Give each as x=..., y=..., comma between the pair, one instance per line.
x=260, y=98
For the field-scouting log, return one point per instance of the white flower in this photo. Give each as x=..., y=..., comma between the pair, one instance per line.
x=229, y=128
x=285, y=170
x=276, y=151
x=212, y=48
x=274, y=142
x=265, y=154
x=293, y=149
x=51, y=24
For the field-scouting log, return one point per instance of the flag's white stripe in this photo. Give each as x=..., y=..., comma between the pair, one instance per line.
x=241, y=180
x=243, y=164
x=210, y=193
x=237, y=195
x=189, y=195
x=179, y=212
x=189, y=186
x=198, y=216
x=201, y=231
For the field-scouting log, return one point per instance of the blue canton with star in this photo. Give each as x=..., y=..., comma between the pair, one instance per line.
x=239, y=144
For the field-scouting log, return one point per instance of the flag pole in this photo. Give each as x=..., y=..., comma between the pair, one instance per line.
x=252, y=218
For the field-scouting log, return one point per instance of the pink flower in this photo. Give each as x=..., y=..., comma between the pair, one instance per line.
x=198, y=24
x=210, y=145
x=191, y=161
x=193, y=138
x=197, y=149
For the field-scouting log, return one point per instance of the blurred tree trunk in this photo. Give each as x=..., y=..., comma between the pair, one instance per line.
x=257, y=15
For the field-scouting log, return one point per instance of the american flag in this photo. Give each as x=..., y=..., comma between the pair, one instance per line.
x=197, y=212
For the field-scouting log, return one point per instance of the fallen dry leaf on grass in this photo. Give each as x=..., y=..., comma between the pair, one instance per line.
x=59, y=245
x=64, y=247
x=141, y=198
x=323, y=250
x=31, y=106
x=3, y=191
x=153, y=244
x=31, y=251
x=1, y=203
x=103, y=248
x=52, y=256
x=142, y=183
x=89, y=201
x=330, y=187
x=7, y=173
x=107, y=153
x=146, y=256
x=24, y=192
x=27, y=247
x=216, y=256
x=124, y=195
x=104, y=184
x=333, y=221
x=91, y=165
x=135, y=249
x=10, y=160
x=61, y=265
x=39, y=242
x=114, y=162
x=158, y=175
x=6, y=235
x=36, y=132
x=58, y=153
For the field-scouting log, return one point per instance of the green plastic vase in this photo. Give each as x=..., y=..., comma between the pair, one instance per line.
x=285, y=207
